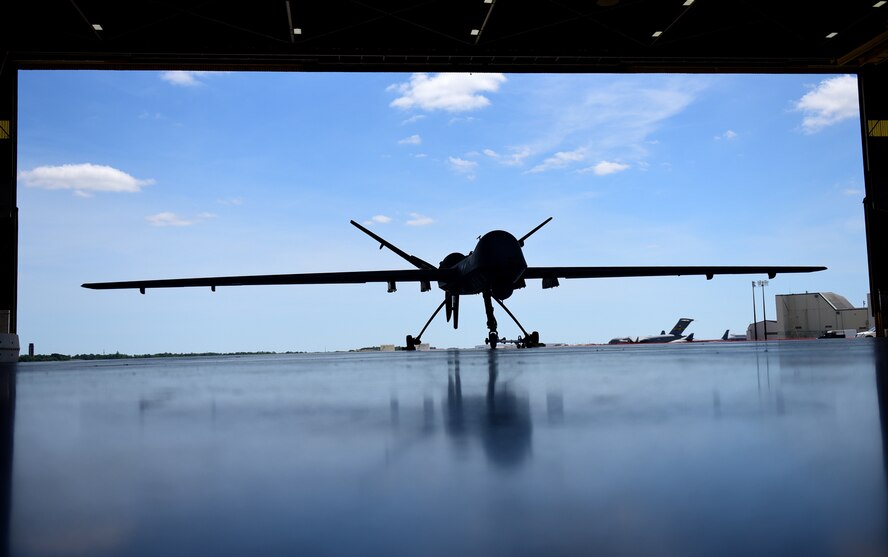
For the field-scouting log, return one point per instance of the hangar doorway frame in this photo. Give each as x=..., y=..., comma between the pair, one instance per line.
x=873, y=101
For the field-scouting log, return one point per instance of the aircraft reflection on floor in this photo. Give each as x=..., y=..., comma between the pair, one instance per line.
x=500, y=418
x=314, y=454
x=7, y=431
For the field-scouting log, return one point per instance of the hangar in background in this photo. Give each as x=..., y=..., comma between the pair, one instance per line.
x=811, y=315
x=578, y=36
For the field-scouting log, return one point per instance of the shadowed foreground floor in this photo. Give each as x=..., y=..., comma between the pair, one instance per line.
x=694, y=449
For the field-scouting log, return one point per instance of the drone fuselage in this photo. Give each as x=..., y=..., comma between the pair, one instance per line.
x=496, y=265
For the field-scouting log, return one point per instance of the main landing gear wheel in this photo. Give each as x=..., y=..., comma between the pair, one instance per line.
x=492, y=339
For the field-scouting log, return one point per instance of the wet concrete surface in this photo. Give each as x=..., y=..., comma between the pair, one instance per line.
x=693, y=449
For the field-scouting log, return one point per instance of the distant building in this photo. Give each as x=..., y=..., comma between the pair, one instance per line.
x=810, y=315
x=757, y=330
x=386, y=347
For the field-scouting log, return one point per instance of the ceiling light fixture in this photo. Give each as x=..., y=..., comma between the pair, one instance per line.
x=688, y=2
x=97, y=27
x=475, y=32
x=879, y=4
x=831, y=35
x=657, y=34
x=297, y=31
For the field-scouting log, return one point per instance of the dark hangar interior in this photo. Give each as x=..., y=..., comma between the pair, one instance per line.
x=552, y=36
x=450, y=35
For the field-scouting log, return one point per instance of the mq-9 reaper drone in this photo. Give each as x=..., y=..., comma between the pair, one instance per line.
x=494, y=269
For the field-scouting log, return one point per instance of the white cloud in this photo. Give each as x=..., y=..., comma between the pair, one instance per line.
x=604, y=168
x=515, y=158
x=378, y=219
x=560, y=160
x=232, y=201
x=830, y=102
x=414, y=139
x=183, y=78
x=727, y=136
x=413, y=119
x=603, y=118
x=452, y=92
x=461, y=120
x=463, y=166
x=852, y=192
x=84, y=179
x=419, y=220
x=168, y=219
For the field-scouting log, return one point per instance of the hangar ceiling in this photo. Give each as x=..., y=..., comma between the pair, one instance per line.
x=441, y=35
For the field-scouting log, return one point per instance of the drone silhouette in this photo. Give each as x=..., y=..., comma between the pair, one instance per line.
x=494, y=269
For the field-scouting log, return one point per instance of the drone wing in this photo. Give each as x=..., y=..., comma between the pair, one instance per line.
x=551, y=273
x=351, y=277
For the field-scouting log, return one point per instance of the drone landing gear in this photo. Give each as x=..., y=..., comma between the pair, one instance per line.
x=492, y=339
x=529, y=340
x=412, y=343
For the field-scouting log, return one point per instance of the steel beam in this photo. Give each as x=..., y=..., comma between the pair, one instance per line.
x=873, y=87
x=8, y=208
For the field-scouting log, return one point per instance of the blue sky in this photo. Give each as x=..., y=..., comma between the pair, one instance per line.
x=137, y=175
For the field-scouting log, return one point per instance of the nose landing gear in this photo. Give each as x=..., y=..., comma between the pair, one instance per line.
x=529, y=340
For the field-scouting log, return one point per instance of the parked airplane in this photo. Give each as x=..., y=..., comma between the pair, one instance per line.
x=494, y=269
x=675, y=335
x=689, y=338
x=728, y=336
x=622, y=340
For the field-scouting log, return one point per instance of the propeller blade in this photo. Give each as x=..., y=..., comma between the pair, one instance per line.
x=456, y=311
x=412, y=259
x=528, y=235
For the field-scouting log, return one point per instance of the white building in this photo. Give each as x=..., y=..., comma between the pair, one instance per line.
x=810, y=315
x=756, y=331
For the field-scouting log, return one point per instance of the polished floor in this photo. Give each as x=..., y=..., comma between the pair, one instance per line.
x=695, y=449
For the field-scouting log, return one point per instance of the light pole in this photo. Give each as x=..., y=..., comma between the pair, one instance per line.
x=763, y=284
x=755, y=328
